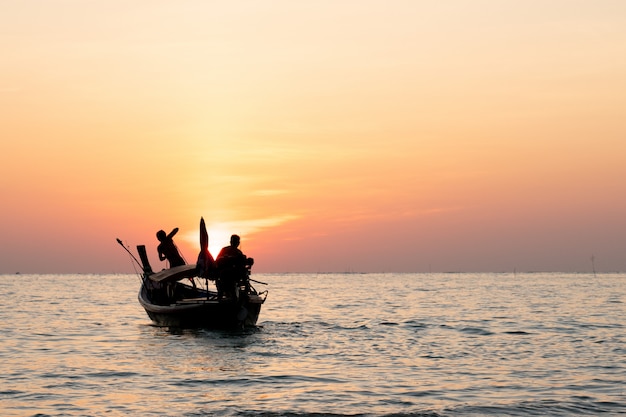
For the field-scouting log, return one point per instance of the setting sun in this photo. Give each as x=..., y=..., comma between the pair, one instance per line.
x=219, y=237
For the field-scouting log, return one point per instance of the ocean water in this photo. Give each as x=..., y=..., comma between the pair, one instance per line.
x=327, y=344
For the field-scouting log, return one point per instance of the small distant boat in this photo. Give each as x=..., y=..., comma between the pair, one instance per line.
x=170, y=302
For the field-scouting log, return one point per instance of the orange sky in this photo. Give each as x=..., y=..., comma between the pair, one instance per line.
x=332, y=136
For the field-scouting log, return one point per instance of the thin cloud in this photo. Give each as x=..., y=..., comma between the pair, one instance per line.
x=266, y=193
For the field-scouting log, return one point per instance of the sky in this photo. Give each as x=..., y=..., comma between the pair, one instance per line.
x=332, y=136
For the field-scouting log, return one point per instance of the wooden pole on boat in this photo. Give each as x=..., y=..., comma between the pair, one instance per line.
x=258, y=282
x=129, y=252
x=204, y=255
x=147, y=269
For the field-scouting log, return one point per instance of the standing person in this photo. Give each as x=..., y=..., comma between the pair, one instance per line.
x=168, y=250
x=231, y=265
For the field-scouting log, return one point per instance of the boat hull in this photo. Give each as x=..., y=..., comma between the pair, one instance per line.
x=202, y=309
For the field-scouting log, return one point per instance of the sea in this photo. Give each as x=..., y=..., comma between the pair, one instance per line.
x=385, y=344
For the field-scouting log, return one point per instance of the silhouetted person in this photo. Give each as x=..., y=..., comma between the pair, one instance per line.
x=168, y=250
x=232, y=267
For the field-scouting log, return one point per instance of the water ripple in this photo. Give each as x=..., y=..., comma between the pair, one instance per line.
x=469, y=345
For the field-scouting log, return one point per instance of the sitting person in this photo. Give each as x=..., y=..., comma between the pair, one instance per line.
x=168, y=250
x=232, y=266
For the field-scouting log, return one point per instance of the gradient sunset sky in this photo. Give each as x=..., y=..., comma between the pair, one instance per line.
x=370, y=136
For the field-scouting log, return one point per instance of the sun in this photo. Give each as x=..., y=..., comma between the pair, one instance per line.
x=218, y=238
